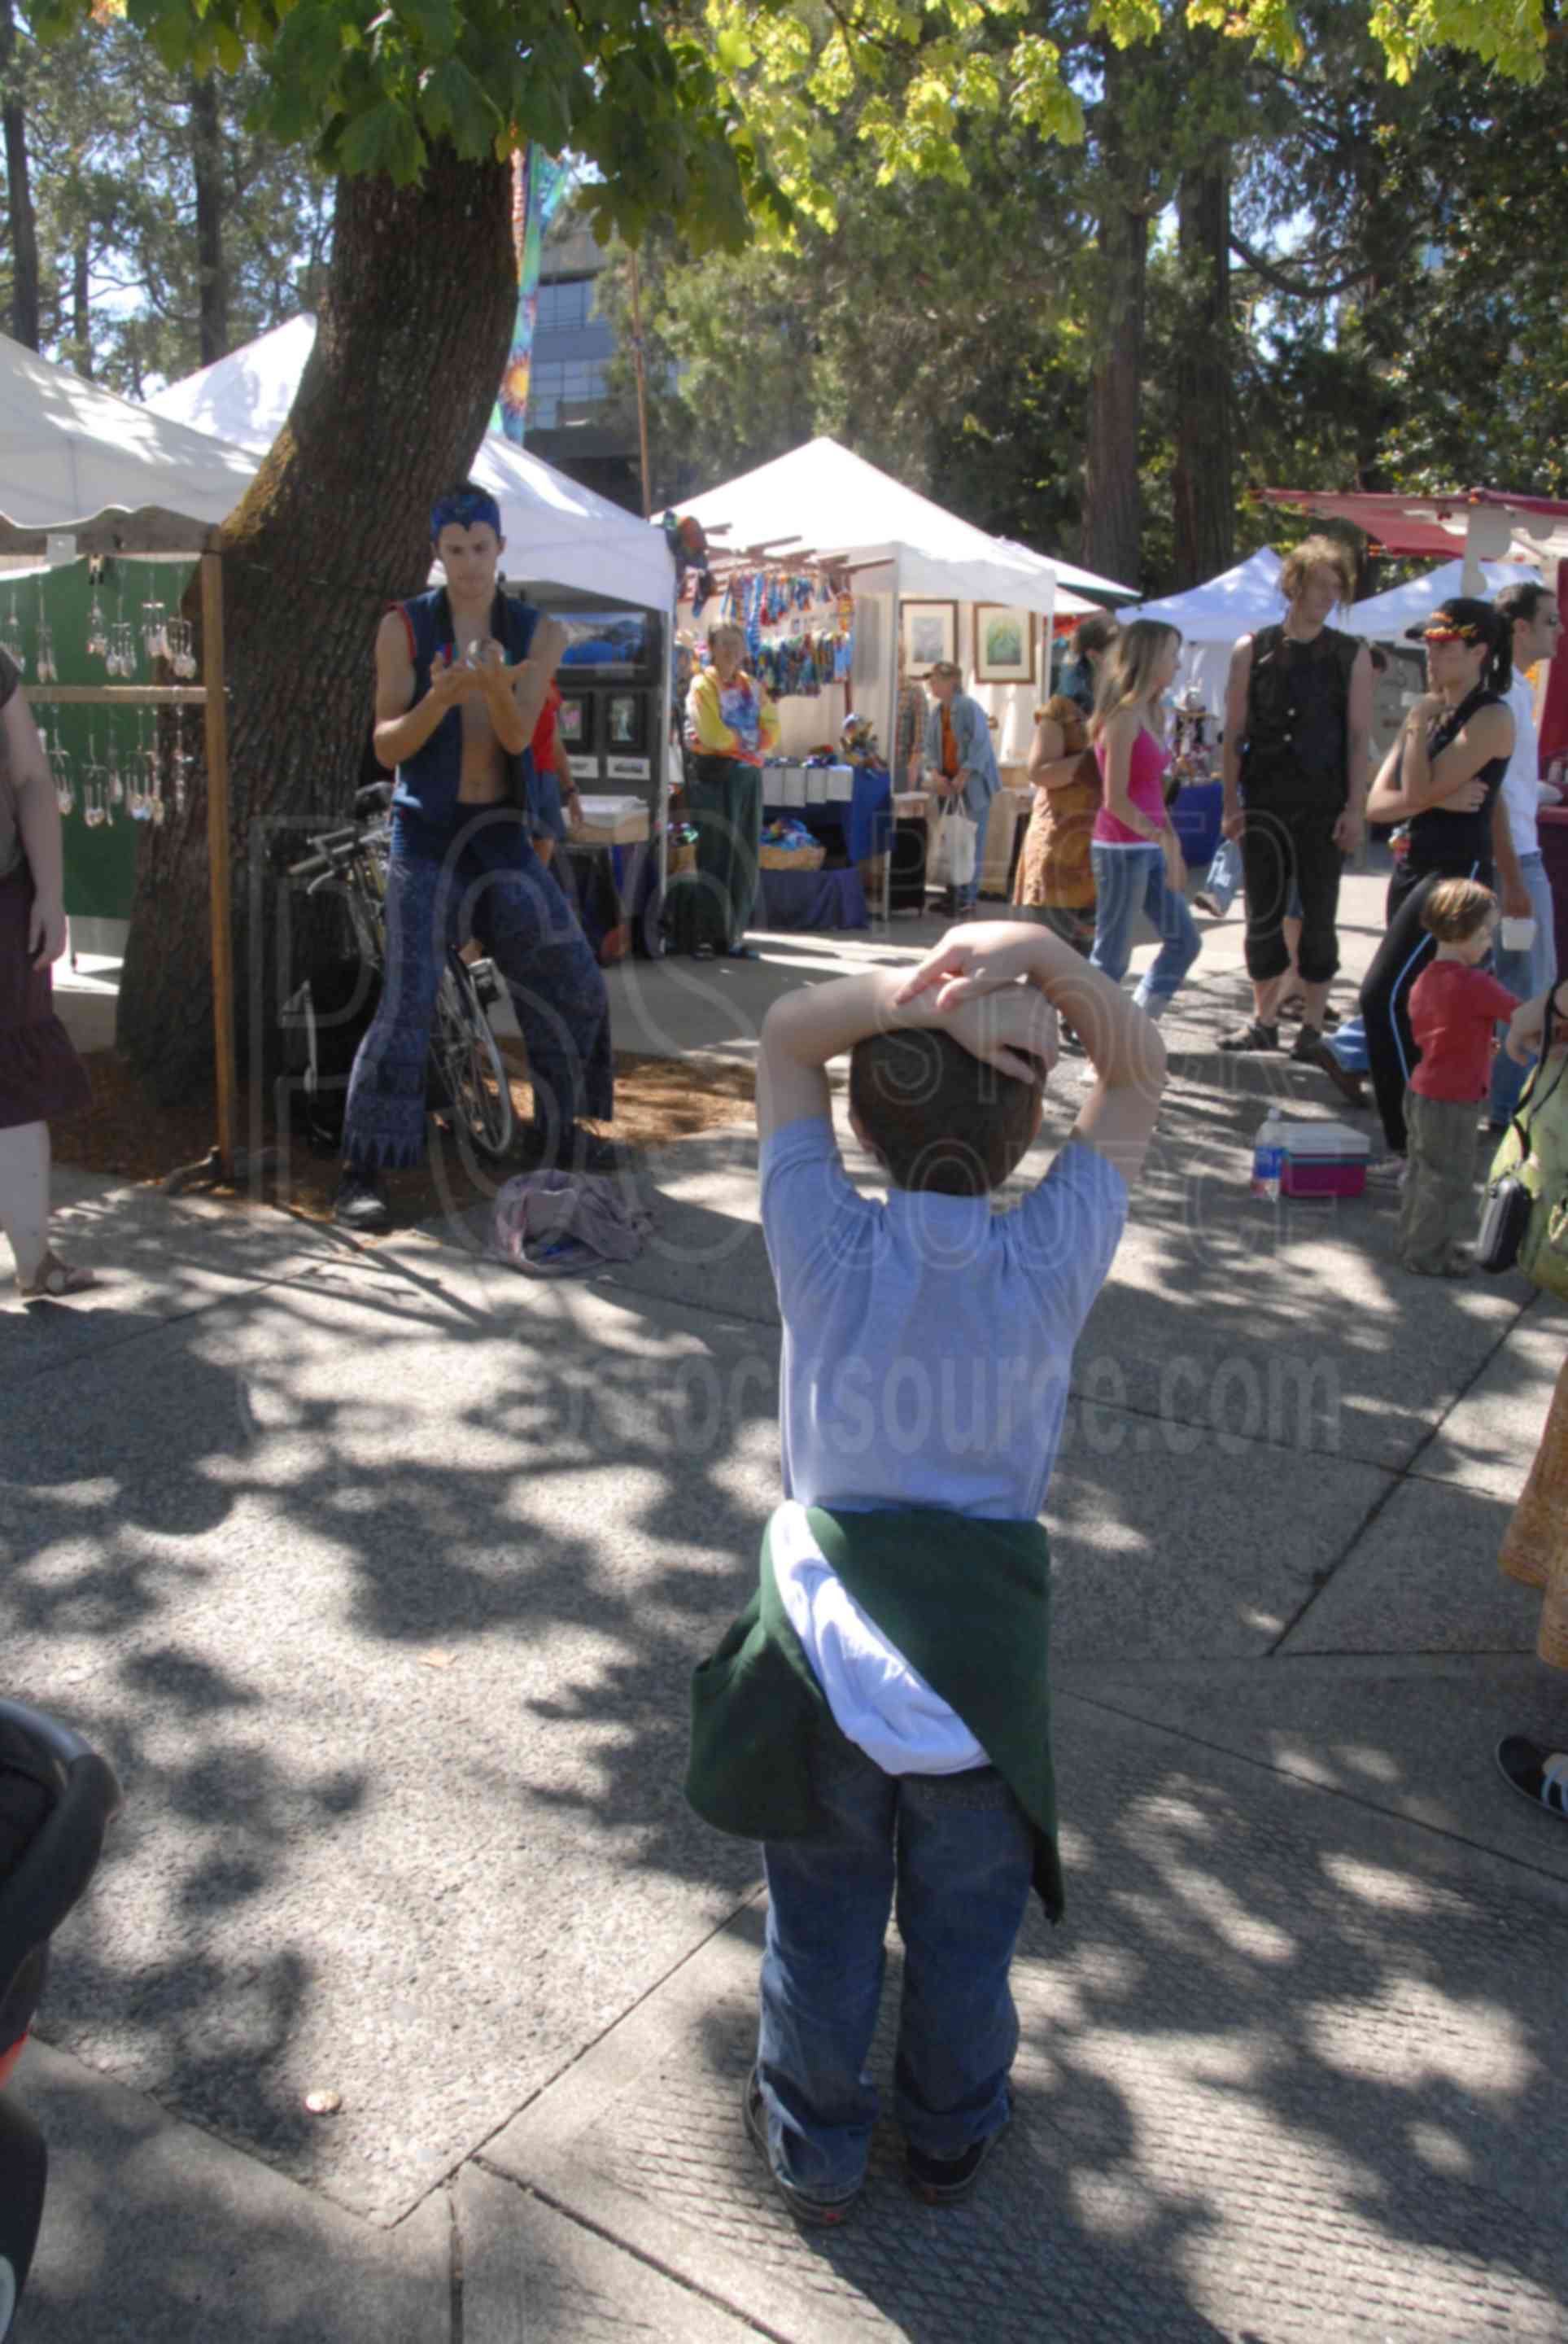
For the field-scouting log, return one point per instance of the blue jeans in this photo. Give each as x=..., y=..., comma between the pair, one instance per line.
x=1525, y=974
x=480, y=878
x=1128, y=879
x=958, y=1853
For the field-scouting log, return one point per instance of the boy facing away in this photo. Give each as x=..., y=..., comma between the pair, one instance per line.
x=1454, y=1005
x=879, y=1716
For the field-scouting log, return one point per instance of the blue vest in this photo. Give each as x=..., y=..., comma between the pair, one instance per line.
x=428, y=781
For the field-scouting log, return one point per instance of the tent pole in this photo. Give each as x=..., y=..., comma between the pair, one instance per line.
x=217, y=827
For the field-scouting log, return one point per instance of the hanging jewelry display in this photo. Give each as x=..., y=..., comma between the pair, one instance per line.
x=60, y=769
x=113, y=776
x=98, y=630
x=47, y=671
x=155, y=642
x=158, y=810
x=179, y=636
x=11, y=642
x=180, y=763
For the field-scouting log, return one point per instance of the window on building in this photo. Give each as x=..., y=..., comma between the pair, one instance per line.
x=565, y=304
x=564, y=391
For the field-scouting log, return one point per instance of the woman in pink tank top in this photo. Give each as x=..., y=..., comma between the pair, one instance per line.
x=1130, y=832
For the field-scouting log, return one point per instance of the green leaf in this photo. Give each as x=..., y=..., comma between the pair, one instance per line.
x=385, y=138
x=452, y=106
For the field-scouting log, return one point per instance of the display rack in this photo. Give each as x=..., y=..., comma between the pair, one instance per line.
x=165, y=535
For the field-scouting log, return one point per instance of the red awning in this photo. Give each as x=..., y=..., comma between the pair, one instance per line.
x=1410, y=526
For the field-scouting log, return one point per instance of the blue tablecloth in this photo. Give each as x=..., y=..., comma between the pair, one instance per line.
x=812, y=899
x=866, y=820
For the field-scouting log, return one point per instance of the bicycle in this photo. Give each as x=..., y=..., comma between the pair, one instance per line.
x=469, y=1073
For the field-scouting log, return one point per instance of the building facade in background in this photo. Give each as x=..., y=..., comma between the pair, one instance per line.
x=572, y=421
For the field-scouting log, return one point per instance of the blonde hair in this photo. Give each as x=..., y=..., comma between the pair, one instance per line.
x=1330, y=553
x=1456, y=910
x=1127, y=671
x=725, y=631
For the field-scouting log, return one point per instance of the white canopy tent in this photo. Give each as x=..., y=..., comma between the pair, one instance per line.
x=558, y=532
x=823, y=502
x=1383, y=618
x=1211, y=617
x=73, y=454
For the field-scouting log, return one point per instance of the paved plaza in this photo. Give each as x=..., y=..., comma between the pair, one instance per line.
x=379, y=1571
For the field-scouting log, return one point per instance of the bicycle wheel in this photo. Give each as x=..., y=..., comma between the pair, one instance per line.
x=468, y=1064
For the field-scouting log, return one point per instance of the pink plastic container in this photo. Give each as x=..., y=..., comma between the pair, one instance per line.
x=1323, y=1159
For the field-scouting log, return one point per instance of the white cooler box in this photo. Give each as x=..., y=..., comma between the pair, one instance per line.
x=612, y=821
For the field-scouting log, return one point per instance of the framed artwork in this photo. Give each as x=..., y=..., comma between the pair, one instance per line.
x=574, y=722
x=625, y=729
x=1004, y=643
x=930, y=633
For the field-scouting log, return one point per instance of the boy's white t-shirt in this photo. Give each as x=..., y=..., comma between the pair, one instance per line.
x=928, y=1347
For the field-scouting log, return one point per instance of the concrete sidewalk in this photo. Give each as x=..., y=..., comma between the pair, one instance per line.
x=379, y=1573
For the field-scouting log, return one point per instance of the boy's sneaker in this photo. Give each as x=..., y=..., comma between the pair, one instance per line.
x=361, y=1202
x=949, y=2180
x=816, y=2213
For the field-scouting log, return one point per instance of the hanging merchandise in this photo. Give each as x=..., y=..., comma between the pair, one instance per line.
x=11, y=642
x=45, y=669
x=97, y=628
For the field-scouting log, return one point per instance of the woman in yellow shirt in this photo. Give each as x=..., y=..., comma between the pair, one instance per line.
x=731, y=724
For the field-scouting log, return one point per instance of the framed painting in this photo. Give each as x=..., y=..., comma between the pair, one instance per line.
x=929, y=634
x=1004, y=643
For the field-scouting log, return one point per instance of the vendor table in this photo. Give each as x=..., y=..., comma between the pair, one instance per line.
x=864, y=822
x=811, y=899
x=612, y=888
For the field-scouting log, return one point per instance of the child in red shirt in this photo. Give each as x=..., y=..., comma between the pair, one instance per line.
x=1453, y=1007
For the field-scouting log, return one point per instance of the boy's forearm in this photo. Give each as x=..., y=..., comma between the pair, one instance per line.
x=819, y=1022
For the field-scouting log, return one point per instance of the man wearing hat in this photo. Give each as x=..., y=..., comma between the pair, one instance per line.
x=461, y=677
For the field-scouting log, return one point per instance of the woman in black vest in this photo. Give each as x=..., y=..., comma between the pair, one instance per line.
x=1442, y=778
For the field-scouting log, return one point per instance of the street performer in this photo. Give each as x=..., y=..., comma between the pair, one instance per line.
x=1298, y=714
x=462, y=674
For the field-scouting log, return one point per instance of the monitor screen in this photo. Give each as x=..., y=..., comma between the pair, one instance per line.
x=607, y=643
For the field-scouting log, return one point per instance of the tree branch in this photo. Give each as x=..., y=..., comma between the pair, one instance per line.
x=1298, y=287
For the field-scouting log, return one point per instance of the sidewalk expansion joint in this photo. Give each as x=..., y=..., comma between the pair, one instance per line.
x=585, y=2050
x=666, y=2270
x=1307, y=1782
x=1409, y=1471
x=455, y=2267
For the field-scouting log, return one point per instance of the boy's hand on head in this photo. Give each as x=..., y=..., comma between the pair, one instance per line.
x=1014, y=1029
x=977, y=958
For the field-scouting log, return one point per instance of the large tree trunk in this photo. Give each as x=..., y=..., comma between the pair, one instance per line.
x=1111, y=499
x=1204, y=480
x=18, y=191
x=414, y=331
x=206, y=167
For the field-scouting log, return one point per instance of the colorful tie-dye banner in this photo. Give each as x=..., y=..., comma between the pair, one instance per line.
x=538, y=182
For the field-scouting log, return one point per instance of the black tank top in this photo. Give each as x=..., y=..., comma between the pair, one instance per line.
x=1455, y=844
x=1297, y=750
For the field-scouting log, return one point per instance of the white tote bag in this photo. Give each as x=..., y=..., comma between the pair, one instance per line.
x=952, y=862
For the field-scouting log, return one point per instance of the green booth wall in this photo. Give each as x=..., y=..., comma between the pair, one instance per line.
x=100, y=863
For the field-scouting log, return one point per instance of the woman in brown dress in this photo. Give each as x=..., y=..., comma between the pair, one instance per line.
x=1055, y=877
x=40, y=1072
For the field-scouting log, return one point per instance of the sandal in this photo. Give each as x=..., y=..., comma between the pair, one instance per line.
x=56, y=1280
x=1253, y=1035
x=1540, y=1775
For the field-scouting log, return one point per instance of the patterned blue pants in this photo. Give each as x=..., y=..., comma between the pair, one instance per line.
x=481, y=878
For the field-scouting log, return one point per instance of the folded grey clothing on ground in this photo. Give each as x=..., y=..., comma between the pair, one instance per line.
x=559, y=1222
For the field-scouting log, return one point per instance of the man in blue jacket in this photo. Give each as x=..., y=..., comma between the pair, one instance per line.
x=461, y=676
x=960, y=763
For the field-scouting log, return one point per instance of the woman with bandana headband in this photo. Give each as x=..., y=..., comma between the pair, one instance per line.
x=462, y=674
x=1443, y=778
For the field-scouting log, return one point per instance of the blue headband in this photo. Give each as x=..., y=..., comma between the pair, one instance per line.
x=462, y=509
